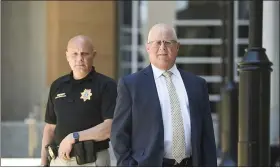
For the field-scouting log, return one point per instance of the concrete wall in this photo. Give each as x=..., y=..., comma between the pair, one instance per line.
x=23, y=57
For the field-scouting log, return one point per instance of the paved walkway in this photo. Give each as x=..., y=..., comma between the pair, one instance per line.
x=27, y=162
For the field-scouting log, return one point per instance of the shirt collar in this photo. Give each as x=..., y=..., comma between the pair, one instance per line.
x=158, y=72
x=89, y=76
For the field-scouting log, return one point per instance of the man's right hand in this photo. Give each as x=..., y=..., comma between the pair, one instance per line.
x=44, y=163
x=48, y=136
x=44, y=158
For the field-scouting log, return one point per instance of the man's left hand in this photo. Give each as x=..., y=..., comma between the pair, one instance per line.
x=65, y=147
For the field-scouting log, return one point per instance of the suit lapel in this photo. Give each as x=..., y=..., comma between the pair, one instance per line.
x=150, y=85
x=190, y=92
x=153, y=102
x=151, y=89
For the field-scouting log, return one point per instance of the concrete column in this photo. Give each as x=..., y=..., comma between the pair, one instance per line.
x=22, y=57
x=37, y=67
x=271, y=44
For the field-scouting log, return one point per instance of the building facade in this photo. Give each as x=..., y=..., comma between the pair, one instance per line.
x=35, y=35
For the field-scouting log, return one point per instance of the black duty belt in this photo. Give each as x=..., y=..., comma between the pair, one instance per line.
x=99, y=146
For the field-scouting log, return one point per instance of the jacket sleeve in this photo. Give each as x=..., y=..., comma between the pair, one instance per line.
x=121, y=127
x=208, y=146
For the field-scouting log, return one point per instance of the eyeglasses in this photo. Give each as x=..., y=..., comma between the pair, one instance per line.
x=83, y=54
x=158, y=43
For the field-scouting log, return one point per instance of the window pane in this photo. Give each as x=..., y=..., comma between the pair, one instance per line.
x=243, y=31
x=200, y=50
x=214, y=88
x=124, y=71
x=201, y=9
x=125, y=13
x=126, y=56
x=214, y=106
x=202, y=69
x=243, y=10
x=125, y=38
x=199, y=31
x=241, y=50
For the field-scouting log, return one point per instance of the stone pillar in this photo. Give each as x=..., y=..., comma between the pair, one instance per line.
x=22, y=56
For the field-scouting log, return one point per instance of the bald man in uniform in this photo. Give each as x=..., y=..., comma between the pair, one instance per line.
x=162, y=115
x=79, y=111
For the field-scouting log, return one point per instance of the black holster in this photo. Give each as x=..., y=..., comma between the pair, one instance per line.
x=52, y=153
x=85, y=152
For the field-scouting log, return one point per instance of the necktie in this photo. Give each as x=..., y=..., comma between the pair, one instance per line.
x=178, y=135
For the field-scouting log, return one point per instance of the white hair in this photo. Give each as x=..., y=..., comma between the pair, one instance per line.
x=163, y=26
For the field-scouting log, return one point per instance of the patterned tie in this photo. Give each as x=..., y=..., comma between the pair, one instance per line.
x=178, y=139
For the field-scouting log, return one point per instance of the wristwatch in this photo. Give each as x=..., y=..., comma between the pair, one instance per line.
x=76, y=136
